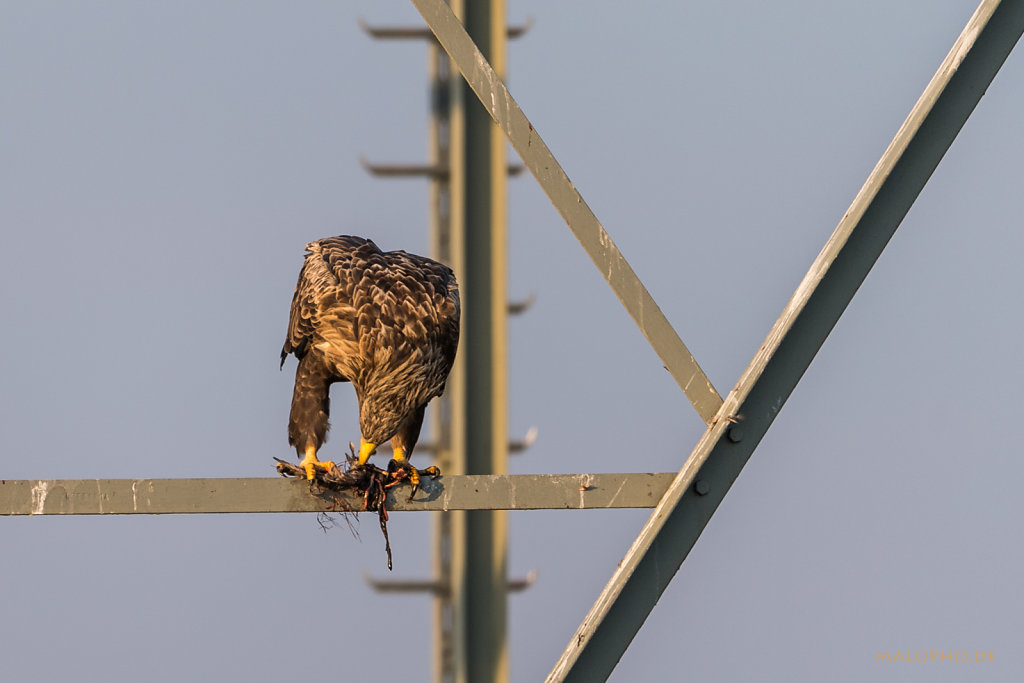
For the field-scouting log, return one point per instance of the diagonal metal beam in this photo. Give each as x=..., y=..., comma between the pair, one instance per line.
x=821, y=298
x=581, y=220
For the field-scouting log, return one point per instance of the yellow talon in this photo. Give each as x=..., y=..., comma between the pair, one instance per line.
x=311, y=464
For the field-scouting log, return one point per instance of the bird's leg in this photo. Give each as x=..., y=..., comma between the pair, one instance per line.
x=311, y=464
x=401, y=462
x=402, y=444
x=400, y=469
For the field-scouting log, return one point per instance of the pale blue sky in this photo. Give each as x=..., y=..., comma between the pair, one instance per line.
x=162, y=165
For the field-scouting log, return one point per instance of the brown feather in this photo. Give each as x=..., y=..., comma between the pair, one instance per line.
x=386, y=321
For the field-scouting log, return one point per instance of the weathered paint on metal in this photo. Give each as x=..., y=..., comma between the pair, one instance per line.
x=276, y=494
x=497, y=100
x=837, y=272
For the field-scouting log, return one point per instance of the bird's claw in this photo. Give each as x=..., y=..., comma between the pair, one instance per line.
x=402, y=470
x=311, y=467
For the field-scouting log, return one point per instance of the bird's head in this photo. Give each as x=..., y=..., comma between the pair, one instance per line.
x=380, y=417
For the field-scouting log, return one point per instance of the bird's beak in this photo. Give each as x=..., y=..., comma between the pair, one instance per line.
x=366, y=449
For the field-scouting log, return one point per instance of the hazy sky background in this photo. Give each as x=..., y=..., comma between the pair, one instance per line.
x=162, y=165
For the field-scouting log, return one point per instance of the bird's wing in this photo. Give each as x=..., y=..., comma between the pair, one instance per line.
x=370, y=311
x=322, y=302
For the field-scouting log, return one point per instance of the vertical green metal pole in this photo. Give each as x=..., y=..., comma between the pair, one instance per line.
x=479, y=174
x=456, y=387
x=450, y=460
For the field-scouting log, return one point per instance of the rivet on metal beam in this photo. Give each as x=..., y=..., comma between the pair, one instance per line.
x=735, y=434
x=701, y=487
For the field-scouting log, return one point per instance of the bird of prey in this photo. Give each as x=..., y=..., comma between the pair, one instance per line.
x=388, y=322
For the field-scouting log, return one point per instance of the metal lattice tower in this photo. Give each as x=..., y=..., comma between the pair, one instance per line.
x=735, y=425
x=467, y=170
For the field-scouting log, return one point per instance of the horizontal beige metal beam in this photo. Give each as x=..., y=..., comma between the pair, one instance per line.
x=275, y=494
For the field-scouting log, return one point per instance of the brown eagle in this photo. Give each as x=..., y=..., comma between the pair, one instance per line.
x=388, y=322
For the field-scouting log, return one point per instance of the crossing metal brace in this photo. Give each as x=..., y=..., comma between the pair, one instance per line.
x=799, y=332
x=736, y=426
x=497, y=100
